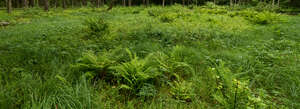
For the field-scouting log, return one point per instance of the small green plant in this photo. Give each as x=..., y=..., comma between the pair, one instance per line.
x=231, y=92
x=96, y=27
x=182, y=90
x=255, y=17
x=147, y=91
x=173, y=66
x=96, y=67
x=133, y=75
x=168, y=17
x=263, y=6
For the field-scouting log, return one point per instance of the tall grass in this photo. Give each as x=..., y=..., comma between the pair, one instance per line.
x=137, y=57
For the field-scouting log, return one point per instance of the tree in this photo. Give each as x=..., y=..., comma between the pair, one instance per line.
x=64, y=4
x=111, y=5
x=24, y=3
x=46, y=5
x=163, y=3
x=98, y=3
x=129, y=2
x=8, y=5
x=31, y=3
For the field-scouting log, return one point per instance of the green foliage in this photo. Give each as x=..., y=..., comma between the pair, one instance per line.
x=96, y=27
x=152, y=57
x=231, y=92
x=182, y=90
x=263, y=18
x=263, y=6
x=96, y=67
x=168, y=17
x=135, y=74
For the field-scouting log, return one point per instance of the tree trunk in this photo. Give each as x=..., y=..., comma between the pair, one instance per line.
x=163, y=3
x=24, y=4
x=37, y=3
x=72, y=3
x=148, y=2
x=124, y=2
x=17, y=4
x=278, y=3
x=183, y=2
x=55, y=3
x=111, y=5
x=46, y=5
x=84, y=3
x=98, y=3
x=8, y=5
x=129, y=2
x=64, y=4
x=31, y=3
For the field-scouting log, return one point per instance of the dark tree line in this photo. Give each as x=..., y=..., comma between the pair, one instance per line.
x=9, y=4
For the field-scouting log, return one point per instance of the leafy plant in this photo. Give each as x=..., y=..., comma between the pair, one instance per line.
x=182, y=90
x=96, y=27
x=133, y=75
x=97, y=67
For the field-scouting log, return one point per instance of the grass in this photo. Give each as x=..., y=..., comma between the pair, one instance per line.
x=137, y=57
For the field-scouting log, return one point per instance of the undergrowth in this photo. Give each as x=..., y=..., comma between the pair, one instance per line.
x=174, y=57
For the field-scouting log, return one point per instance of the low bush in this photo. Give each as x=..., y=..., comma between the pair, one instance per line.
x=96, y=27
x=263, y=18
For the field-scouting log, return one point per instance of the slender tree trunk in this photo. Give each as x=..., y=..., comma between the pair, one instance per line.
x=31, y=3
x=37, y=3
x=55, y=3
x=8, y=5
x=163, y=3
x=278, y=3
x=124, y=2
x=64, y=4
x=111, y=5
x=183, y=2
x=129, y=2
x=46, y=5
x=84, y=2
x=98, y=3
x=72, y=3
x=24, y=4
x=17, y=3
x=148, y=2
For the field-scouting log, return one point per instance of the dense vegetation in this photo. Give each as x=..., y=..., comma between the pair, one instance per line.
x=150, y=57
x=10, y=4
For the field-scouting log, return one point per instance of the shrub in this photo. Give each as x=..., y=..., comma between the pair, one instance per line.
x=135, y=75
x=263, y=18
x=96, y=27
x=155, y=12
x=95, y=67
x=263, y=6
x=168, y=17
x=231, y=92
x=173, y=65
x=182, y=90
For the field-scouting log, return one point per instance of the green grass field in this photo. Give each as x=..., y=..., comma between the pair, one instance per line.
x=137, y=57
